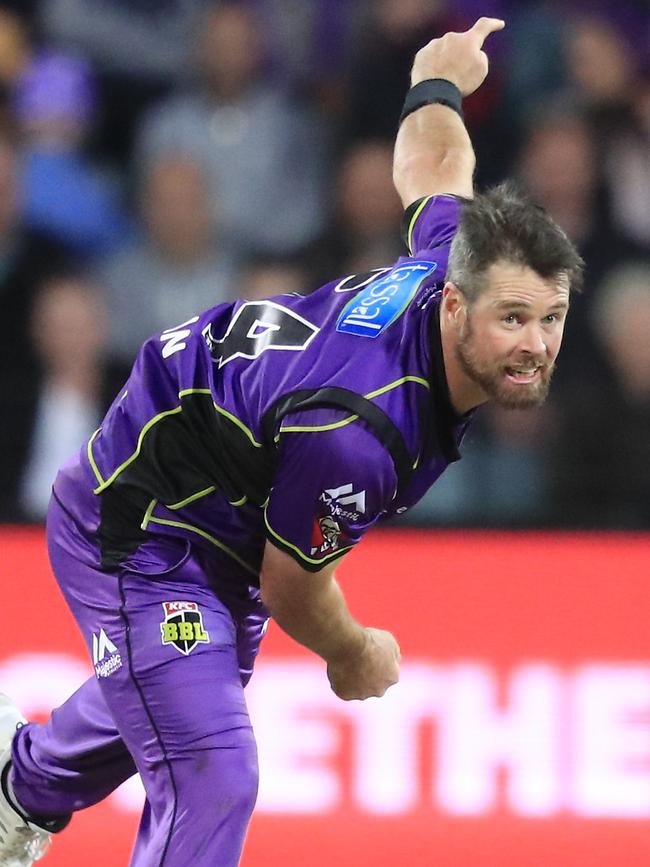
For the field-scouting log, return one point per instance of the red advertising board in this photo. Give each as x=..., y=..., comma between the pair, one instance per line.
x=518, y=736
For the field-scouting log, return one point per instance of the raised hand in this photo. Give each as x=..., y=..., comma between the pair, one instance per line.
x=458, y=57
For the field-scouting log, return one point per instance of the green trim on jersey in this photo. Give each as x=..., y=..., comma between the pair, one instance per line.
x=414, y=219
x=303, y=556
x=192, y=498
x=91, y=457
x=316, y=428
x=149, y=519
x=105, y=483
x=240, y=425
x=198, y=495
x=233, y=418
x=152, y=421
x=147, y=514
x=349, y=419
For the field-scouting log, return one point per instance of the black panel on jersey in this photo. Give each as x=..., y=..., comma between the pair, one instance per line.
x=386, y=431
x=199, y=448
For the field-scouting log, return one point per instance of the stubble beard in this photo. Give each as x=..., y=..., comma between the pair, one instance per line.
x=491, y=378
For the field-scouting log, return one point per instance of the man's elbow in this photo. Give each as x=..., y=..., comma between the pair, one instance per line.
x=271, y=591
x=437, y=172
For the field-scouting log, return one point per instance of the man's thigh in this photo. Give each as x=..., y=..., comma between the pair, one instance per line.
x=165, y=653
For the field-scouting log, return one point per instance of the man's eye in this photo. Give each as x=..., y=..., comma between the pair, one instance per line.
x=552, y=317
x=510, y=319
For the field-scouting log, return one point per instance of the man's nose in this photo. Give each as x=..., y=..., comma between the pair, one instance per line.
x=533, y=340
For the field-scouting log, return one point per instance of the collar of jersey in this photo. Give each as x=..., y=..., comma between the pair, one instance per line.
x=446, y=419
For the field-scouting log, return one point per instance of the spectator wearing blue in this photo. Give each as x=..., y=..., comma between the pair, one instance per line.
x=64, y=193
x=139, y=50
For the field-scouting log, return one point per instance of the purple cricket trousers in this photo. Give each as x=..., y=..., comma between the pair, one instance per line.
x=171, y=660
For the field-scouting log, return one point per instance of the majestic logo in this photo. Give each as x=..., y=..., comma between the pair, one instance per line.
x=336, y=500
x=183, y=626
x=335, y=505
x=102, y=645
x=383, y=301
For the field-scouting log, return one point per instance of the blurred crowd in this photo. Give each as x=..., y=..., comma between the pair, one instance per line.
x=160, y=156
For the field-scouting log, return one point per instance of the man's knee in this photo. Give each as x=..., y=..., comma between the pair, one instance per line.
x=223, y=781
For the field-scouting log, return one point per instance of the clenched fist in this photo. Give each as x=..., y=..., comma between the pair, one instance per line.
x=371, y=671
x=458, y=57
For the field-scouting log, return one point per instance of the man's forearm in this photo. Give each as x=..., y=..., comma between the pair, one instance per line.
x=317, y=616
x=433, y=155
x=433, y=152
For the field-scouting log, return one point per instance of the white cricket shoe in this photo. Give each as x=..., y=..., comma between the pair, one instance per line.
x=21, y=842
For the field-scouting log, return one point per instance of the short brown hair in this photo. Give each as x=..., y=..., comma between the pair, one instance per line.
x=503, y=224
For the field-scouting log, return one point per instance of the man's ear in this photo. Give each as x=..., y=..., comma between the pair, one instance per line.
x=454, y=305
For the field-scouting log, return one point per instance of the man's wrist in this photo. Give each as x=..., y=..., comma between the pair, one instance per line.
x=433, y=91
x=352, y=647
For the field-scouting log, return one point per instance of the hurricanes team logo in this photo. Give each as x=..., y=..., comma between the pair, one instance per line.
x=183, y=626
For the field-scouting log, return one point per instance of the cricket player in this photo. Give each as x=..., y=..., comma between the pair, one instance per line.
x=251, y=447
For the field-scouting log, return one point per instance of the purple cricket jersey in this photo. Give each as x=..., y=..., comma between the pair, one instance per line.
x=300, y=419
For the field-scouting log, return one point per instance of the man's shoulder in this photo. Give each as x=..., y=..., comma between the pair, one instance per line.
x=431, y=222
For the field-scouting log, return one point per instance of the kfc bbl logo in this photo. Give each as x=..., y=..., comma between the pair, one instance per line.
x=183, y=626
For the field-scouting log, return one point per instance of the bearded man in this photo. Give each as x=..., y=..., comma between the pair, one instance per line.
x=251, y=448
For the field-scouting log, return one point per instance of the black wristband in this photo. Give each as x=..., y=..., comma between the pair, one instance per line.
x=431, y=91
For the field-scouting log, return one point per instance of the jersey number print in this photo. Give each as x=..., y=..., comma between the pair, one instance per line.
x=258, y=326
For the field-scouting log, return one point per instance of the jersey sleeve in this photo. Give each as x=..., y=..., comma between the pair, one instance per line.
x=431, y=222
x=334, y=481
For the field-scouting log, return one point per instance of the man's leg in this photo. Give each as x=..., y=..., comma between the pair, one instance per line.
x=166, y=656
x=73, y=761
x=178, y=701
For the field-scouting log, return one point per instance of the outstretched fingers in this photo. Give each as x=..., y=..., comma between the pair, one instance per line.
x=484, y=26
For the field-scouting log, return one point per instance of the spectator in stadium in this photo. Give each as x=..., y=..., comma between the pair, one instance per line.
x=264, y=277
x=68, y=330
x=393, y=32
x=140, y=49
x=366, y=213
x=262, y=152
x=502, y=480
x=559, y=166
x=381, y=63
x=310, y=43
x=15, y=51
x=251, y=448
x=64, y=192
x=173, y=268
x=602, y=444
x=603, y=69
x=27, y=259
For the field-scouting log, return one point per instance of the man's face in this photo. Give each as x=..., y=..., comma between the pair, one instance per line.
x=510, y=336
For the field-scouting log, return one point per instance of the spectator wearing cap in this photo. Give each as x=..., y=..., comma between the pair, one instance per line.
x=64, y=193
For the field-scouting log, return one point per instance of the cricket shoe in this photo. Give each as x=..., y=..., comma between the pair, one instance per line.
x=21, y=841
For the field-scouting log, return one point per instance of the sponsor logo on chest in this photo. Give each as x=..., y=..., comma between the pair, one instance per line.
x=383, y=301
